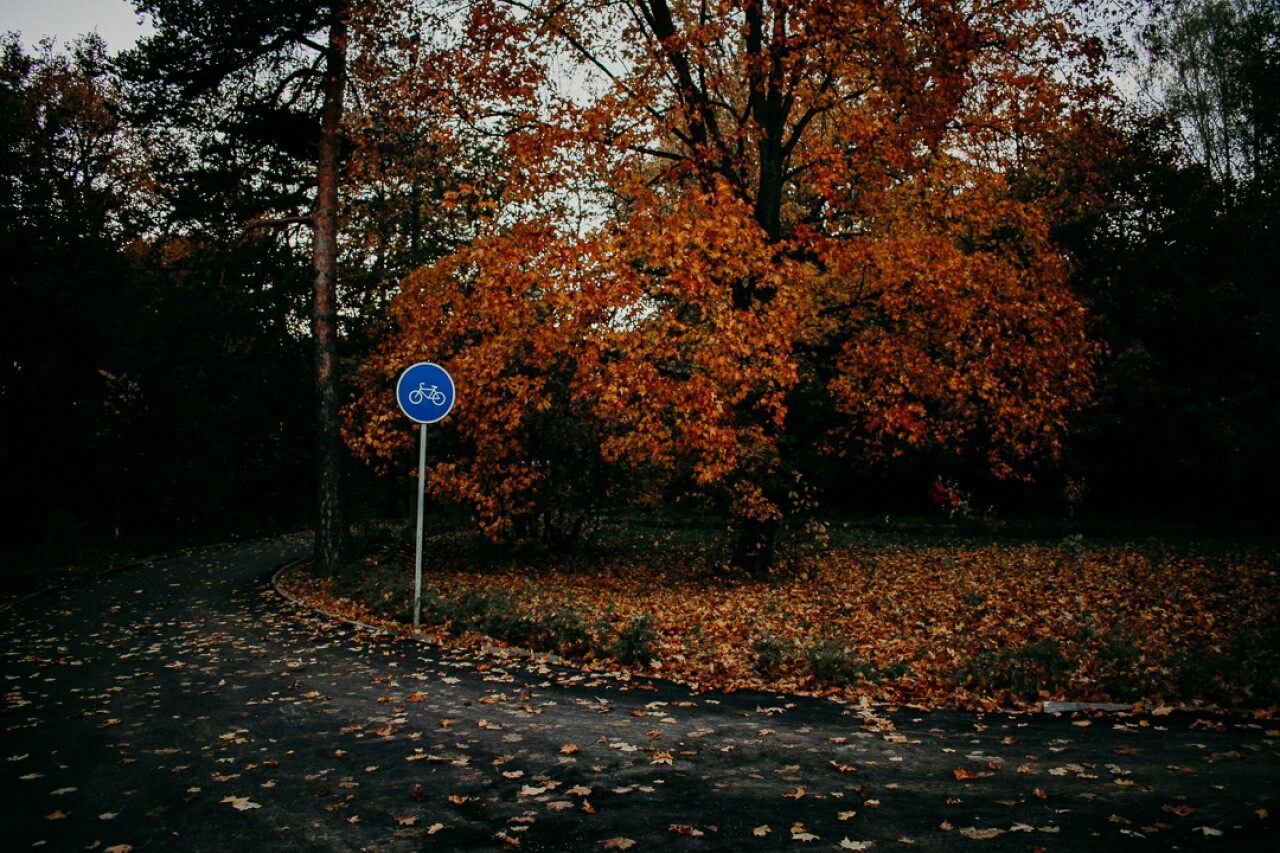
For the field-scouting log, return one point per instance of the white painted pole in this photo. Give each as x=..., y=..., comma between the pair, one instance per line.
x=422, y=488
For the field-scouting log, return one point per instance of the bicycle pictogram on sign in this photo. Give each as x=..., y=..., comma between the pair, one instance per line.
x=425, y=392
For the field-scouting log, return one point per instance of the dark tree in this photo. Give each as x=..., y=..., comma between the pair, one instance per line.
x=275, y=74
x=63, y=184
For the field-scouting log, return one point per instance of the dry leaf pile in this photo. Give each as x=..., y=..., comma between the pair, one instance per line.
x=1004, y=625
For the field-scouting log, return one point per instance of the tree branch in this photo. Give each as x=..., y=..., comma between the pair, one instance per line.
x=278, y=222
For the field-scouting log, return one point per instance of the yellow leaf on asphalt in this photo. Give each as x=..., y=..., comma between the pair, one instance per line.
x=240, y=803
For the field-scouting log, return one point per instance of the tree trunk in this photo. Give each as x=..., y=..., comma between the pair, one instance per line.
x=332, y=536
x=753, y=546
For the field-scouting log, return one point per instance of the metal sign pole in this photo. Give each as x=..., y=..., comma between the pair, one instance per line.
x=422, y=488
x=426, y=393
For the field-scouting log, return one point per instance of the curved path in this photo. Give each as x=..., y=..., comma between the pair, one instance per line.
x=183, y=704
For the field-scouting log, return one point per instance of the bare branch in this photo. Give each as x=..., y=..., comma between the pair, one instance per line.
x=278, y=222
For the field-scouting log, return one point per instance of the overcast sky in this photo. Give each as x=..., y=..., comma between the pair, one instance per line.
x=114, y=20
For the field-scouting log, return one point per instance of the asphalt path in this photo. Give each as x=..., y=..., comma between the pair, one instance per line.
x=184, y=704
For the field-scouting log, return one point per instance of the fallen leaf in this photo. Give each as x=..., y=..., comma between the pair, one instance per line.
x=761, y=831
x=846, y=844
x=686, y=829
x=1183, y=810
x=618, y=844
x=981, y=834
x=240, y=803
x=58, y=814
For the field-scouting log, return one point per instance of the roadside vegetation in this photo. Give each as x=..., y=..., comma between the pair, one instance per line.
x=935, y=620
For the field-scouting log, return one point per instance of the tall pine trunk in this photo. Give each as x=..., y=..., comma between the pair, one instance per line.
x=332, y=536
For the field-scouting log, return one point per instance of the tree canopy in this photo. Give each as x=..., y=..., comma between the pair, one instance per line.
x=746, y=257
x=780, y=207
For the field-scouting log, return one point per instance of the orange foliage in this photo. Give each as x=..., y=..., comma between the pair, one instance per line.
x=943, y=625
x=706, y=205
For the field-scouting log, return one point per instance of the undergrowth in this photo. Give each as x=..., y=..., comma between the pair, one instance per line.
x=949, y=624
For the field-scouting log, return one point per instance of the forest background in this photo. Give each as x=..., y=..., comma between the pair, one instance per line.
x=159, y=380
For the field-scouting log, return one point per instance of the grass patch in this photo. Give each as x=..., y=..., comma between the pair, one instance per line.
x=948, y=623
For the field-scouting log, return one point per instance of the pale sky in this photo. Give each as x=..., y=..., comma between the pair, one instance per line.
x=114, y=20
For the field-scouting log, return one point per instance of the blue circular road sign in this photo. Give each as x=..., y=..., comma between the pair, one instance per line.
x=425, y=392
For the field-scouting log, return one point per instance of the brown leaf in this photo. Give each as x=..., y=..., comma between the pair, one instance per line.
x=964, y=774
x=1183, y=810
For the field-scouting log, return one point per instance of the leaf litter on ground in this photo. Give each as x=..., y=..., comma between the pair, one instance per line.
x=953, y=625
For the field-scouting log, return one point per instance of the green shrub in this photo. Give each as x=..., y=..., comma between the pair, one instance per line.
x=768, y=655
x=637, y=642
x=1026, y=670
x=562, y=630
x=832, y=659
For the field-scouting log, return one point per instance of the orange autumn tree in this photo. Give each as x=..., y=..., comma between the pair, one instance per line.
x=710, y=206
